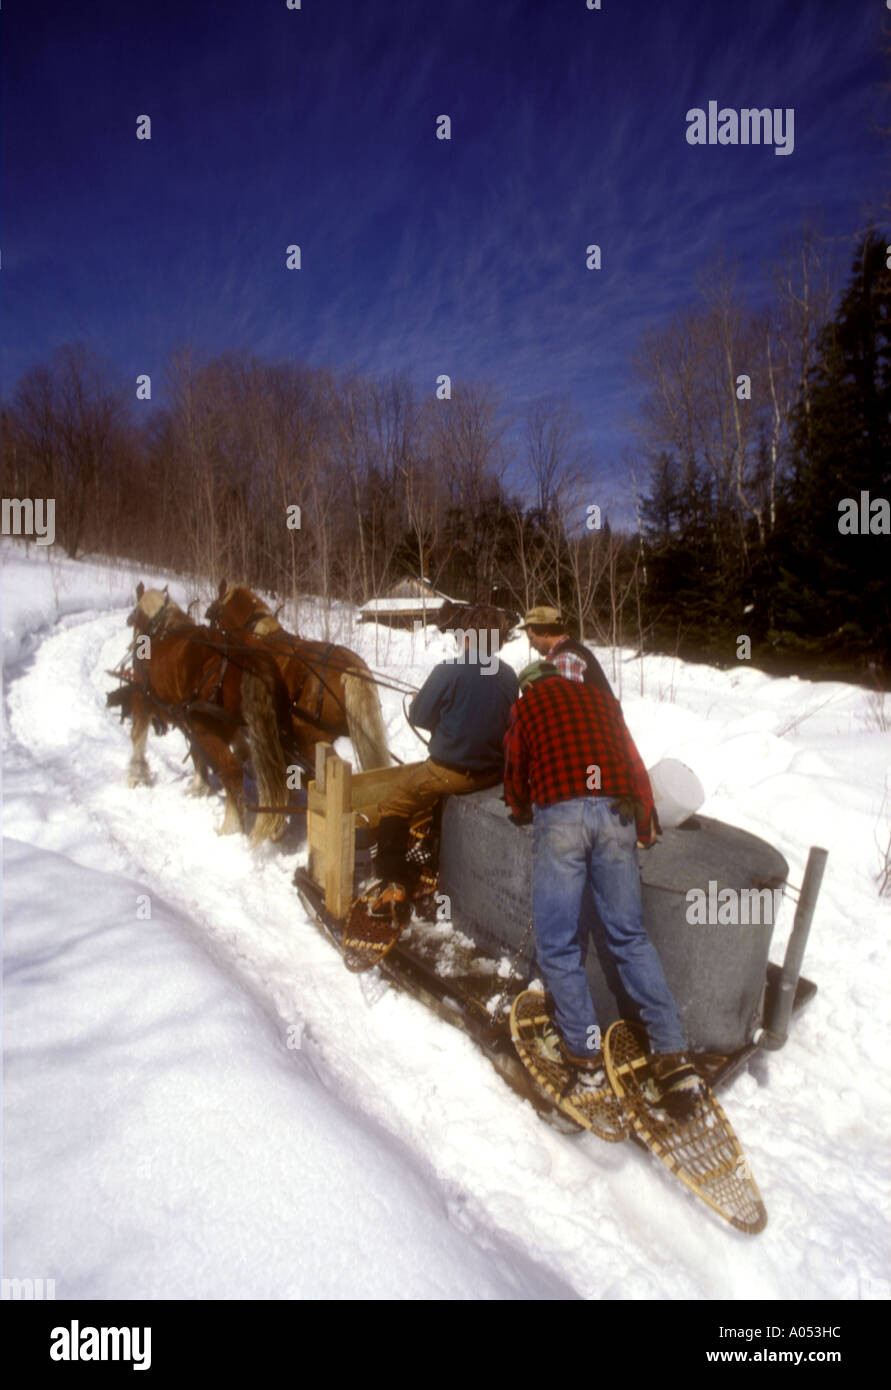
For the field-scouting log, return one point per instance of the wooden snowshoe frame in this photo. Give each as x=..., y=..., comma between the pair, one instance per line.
x=701, y=1150
x=368, y=940
x=599, y=1111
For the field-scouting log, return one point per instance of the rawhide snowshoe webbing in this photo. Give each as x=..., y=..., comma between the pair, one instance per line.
x=366, y=938
x=592, y=1107
x=700, y=1149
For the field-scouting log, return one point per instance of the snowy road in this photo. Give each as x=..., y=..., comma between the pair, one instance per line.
x=163, y=1139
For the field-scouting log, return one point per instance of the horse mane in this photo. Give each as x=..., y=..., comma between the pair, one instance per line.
x=267, y=624
x=172, y=618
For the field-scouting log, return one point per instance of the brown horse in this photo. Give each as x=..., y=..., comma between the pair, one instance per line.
x=332, y=690
x=211, y=689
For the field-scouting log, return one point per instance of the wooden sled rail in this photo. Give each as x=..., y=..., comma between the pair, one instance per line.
x=336, y=802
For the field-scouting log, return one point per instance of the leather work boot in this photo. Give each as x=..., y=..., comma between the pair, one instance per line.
x=674, y=1084
x=591, y=1075
x=591, y=1071
x=390, y=902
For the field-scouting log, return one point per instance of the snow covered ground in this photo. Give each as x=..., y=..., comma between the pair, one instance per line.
x=202, y=1103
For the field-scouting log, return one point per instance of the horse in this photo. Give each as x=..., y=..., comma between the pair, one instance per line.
x=332, y=690
x=197, y=680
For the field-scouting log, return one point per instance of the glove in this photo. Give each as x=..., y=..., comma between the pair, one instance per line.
x=647, y=836
x=524, y=819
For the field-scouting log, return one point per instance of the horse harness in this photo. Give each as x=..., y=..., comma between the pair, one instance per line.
x=201, y=701
x=310, y=668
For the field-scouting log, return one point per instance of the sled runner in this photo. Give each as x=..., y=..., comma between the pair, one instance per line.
x=458, y=982
x=702, y=1150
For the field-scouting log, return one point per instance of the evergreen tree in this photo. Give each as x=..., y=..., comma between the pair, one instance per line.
x=834, y=589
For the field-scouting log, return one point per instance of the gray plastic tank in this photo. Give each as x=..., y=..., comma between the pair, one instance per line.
x=716, y=973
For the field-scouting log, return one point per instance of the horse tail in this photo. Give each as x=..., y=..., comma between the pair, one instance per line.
x=260, y=706
x=365, y=720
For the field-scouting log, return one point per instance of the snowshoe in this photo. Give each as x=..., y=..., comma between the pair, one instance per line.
x=701, y=1148
x=374, y=925
x=580, y=1089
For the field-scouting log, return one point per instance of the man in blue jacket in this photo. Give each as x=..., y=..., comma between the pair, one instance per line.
x=465, y=703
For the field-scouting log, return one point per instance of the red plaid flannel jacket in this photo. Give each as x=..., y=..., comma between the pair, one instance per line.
x=559, y=732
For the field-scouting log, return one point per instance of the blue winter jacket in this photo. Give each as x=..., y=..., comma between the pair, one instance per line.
x=468, y=712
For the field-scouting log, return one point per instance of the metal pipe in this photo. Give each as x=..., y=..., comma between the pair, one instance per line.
x=776, y=1027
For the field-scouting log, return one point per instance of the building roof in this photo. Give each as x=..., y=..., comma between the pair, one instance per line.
x=432, y=603
x=408, y=596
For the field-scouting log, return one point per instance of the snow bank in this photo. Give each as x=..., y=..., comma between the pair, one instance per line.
x=163, y=1141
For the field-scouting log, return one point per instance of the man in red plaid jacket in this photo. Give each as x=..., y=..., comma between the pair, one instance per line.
x=570, y=759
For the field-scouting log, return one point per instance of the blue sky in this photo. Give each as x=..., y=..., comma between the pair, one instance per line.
x=317, y=127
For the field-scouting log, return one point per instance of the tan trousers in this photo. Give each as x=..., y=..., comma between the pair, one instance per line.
x=425, y=784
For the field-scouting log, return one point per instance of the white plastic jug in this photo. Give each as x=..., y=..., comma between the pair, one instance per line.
x=677, y=791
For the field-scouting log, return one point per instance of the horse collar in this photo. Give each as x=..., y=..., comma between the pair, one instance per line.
x=252, y=621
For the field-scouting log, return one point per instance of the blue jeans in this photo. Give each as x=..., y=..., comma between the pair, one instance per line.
x=581, y=843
